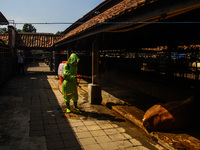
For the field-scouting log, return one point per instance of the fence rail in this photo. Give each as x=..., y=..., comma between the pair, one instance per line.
x=5, y=52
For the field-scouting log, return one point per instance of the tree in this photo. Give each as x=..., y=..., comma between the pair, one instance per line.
x=58, y=33
x=19, y=30
x=29, y=28
x=3, y=30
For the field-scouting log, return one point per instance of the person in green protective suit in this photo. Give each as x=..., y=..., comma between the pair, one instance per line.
x=69, y=86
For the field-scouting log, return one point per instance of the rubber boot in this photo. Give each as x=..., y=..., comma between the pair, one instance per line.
x=68, y=108
x=75, y=106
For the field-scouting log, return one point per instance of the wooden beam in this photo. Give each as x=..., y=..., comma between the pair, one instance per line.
x=69, y=48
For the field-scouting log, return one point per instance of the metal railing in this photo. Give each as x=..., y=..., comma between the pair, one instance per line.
x=5, y=52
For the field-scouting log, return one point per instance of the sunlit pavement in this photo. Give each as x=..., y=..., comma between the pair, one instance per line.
x=32, y=117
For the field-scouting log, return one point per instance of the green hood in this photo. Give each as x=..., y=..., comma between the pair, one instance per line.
x=73, y=57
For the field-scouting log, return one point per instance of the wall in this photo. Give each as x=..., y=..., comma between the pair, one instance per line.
x=7, y=69
x=8, y=57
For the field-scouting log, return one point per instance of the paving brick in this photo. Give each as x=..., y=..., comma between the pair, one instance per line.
x=106, y=126
x=117, y=137
x=63, y=125
x=99, y=122
x=50, y=126
x=111, y=131
x=56, y=137
x=66, y=131
x=93, y=127
x=68, y=136
x=78, y=123
x=123, y=144
x=84, y=135
x=80, y=129
x=53, y=144
x=137, y=148
x=72, y=144
x=49, y=121
x=92, y=147
x=120, y=130
x=88, y=122
x=73, y=120
x=36, y=118
x=36, y=127
x=127, y=136
x=36, y=122
x=87, y=141
x=98, y=133
x=115, y=126
x=110, y=146
x=61, y=120
x=102, y=139
x=52, y=132
x=135, y=142
x=36, y=133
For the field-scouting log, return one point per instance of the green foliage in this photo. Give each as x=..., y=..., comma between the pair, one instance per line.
x=28, y=28
x=19, y=30
x=58, y=33
x=3, y=30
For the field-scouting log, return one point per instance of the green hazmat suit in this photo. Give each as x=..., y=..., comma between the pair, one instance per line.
x=69, y=86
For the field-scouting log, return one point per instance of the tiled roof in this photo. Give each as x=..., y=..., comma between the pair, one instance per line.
x=100, y=8
x=32, y=40
x=4, y=37
x=3, y=20
x=117, y=10
x=36, y=40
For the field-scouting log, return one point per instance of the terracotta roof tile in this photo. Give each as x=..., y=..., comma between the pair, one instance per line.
x=34, y=40
x=4, y=37
x=117, y=10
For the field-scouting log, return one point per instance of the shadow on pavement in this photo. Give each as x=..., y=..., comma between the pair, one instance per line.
x=31, y=116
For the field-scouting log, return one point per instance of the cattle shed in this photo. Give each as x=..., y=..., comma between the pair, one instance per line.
x=146, y=45
x=3, y=20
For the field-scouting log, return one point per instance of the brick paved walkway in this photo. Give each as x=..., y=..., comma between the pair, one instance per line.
x=32, y=118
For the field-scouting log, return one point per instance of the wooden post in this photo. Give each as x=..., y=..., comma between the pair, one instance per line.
x=169, y=71
x=94, y=90
x=12, y=39
x=95, y=62
x=57, y=61
x=50, y=55
x=12, y=45
x=69, y=51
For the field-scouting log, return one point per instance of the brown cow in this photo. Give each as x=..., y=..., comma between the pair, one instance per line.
x=172, y=115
